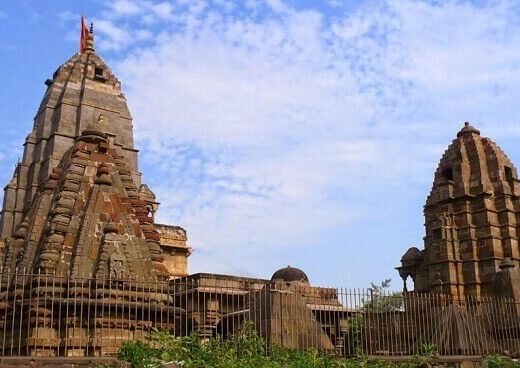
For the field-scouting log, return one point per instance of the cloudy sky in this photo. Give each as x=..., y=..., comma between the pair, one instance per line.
x=283, y=132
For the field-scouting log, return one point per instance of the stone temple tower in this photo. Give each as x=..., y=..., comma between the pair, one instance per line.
x=76, y=210
x=472, y=220
x=79, y=91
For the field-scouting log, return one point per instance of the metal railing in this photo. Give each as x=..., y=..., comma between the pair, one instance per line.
x=51, y=315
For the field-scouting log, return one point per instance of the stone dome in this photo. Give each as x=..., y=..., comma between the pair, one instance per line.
x=290, y=274
x=468, y=129
x=412, y=257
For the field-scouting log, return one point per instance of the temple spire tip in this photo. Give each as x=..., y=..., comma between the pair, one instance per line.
x=87, y=36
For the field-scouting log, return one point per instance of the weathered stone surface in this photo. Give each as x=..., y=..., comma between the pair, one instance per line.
x=471, y=219
x=76, y=215
x=175, y=251
x=73, y=100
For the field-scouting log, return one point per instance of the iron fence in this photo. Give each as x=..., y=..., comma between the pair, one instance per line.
x=51, y=315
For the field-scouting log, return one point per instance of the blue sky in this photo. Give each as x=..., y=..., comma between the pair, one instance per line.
x=283, y=132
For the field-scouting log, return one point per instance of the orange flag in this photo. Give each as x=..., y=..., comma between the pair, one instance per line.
x=84, y=35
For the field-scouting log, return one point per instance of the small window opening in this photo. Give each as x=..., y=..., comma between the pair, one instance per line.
x=98, y=72
x=149, y=212
x=437, y=234
x=509, y=172
x=448, y=174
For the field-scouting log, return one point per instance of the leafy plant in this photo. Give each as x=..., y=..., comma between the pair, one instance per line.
x=382, y=299
x=246, y=349
x=496, y=361
x=355, y=333
x=139, y=353
x=428, y=350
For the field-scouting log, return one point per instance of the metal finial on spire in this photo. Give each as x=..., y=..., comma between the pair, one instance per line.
x=90, y=38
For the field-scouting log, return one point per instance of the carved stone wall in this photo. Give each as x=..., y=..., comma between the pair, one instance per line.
x=471, y=220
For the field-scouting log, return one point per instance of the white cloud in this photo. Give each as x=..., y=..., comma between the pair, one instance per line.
x=162, y=10
x=124, y=7
x=112, y=37
x=259, y=91
x=143, y=34
x=273, y=128
x=153, y=10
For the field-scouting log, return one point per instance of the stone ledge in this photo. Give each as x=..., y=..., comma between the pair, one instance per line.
x=62, y=362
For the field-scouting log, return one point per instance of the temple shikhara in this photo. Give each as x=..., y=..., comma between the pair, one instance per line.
x=472, y=222
x=76, y=205
x=85, y=267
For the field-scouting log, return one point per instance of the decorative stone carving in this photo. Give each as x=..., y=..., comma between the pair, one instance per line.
x=117, y=266
x=102, y=175
x=110, y=228
x=21, y=232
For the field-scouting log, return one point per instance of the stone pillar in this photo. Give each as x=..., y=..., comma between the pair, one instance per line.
x=7, y=216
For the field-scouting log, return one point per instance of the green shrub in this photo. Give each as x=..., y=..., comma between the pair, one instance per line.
x=428, y=350
x=496, y=361
x=139, y=353
x=246, y=349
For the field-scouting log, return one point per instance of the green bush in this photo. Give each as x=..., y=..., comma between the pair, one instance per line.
x=139, y=353
x=245, y=349
x=500, y=362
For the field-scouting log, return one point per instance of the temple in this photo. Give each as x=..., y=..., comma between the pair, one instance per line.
x=82, y=128
x=85, y=267
x=76, y=209
x=472, y=219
